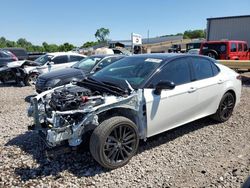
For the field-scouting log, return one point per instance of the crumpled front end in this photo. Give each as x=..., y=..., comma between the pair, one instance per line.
x=65, y=113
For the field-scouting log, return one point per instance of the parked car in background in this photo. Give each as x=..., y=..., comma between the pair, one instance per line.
x=32, y=56
x=194, y=51
x=226, y=49
x=20, y=53
x=193, y=45
x=6, y=57
x=134, y=98
x=26, y=71
x=76, y=72
x=175, y=48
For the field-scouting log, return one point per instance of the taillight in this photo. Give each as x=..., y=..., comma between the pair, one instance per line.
x=238, y=77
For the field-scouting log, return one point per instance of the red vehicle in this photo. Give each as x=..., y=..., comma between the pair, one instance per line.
x=226, y=49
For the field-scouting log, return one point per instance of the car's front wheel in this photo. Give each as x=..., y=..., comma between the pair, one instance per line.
x=30, y=80
x=225, y=109
x=114, y=142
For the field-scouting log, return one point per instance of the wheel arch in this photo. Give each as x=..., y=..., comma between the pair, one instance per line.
x=232, y=92
x=118, y=111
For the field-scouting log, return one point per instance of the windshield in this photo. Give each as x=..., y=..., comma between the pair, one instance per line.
x=43, y=59
x=134, y=69
x=87, y=64
x=219, y=47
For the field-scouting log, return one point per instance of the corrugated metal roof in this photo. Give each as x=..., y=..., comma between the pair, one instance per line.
x=228, y=17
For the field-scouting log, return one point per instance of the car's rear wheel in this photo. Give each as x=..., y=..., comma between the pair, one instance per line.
x=30, y=80
x=114, y=142
x=212, y=55
x=225, y=109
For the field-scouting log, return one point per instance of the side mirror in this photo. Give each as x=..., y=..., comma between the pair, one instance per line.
x=51, y=63
x=163, y=85
x=98, y=68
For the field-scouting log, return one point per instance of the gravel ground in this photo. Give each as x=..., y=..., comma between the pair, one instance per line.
x=199, y=154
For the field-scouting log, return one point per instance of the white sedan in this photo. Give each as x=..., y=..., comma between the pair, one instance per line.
x=135, y=98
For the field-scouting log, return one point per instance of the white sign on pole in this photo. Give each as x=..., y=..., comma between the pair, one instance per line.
x=136, y=39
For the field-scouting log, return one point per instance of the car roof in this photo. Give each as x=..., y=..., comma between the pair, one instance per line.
x=224, y=41
x=65, y=53
x=106, y=55
x=166, y=57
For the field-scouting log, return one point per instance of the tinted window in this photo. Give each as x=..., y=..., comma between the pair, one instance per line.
x=218, y=47
x=245, y=48
x=4, y=54
x=202, y=68
x=73, y=58
x=176, y=71
x=215, y=69
x=60, y=59
x=233, y=47
x=108, y=61
x=87, y=64
x=240, y=47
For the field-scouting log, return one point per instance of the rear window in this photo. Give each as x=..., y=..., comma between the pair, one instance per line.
x=18, y=52
x=219, y=47
x=4, y=54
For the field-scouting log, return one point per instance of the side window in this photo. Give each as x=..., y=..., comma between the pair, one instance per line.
x=176, y=71
x=215, y=69
x=233, y=47
x=202, y=68
x=60, y=59
x=245, y=48
x=75, y=58
x=240, y=47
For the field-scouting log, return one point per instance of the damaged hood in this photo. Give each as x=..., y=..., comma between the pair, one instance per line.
x=21, y=63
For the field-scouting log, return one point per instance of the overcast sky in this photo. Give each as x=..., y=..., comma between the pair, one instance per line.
x=59, y=21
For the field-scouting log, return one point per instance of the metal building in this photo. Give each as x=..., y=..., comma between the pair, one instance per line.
x=231, y=28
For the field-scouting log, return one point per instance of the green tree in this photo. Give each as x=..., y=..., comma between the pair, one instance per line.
x=191, y=34
x=89, y=44
x=102, y=34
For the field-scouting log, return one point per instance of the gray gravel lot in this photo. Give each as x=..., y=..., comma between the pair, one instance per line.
x=199, y=154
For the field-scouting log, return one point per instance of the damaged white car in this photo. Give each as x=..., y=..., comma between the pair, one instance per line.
x=25, y=72
x=135, y=98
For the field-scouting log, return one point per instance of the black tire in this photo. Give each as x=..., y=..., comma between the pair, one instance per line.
x=107, y=145
x=30, y=79
x=225, y=108
x=212, y=54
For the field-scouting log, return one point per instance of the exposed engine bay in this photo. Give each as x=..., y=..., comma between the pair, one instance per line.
x=67, y=112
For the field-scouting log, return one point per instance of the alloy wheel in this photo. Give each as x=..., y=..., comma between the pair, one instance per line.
x=120, y=144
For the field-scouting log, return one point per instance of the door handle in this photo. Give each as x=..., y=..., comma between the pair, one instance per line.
x=192, y=89
x=220, y=81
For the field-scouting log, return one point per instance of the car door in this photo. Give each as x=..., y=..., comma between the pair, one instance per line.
x=172, y=107
x=208, y=83
x=59, y=62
